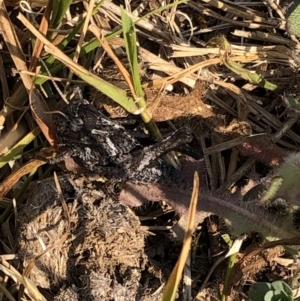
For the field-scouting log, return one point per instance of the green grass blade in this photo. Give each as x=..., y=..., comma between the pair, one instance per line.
x=55, y=9
x=115, y=93
x=19, y=146
x=60, y=8
x=71, y=36
x=131, y=50
x=94, y=43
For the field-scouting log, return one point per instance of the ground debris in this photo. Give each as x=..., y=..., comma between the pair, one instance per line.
x=103, y=255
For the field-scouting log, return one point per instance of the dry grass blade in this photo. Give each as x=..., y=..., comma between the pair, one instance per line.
x=17, y=55
x=174, y=279
x=13, y=178
x=263, y=52
x=39, y=110
x=262, y=36
x=37, y=104
x=64, y=206
x=14, y=46
x=226, y=145
x=83, y=33
x=30, y=288
x=110, y=90
x=258, y=19
x=174, y=78
x=38, y=47
x=126, y=75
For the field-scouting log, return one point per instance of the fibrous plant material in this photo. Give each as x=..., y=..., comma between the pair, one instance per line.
x=100, y=230
x=163, y=106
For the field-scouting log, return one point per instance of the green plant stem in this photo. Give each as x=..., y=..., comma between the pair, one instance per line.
x=227, y=275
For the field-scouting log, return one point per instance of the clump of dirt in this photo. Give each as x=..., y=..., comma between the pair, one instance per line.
x=95, y=244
